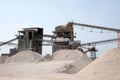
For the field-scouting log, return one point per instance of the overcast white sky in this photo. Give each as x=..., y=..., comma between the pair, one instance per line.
x=18, y=14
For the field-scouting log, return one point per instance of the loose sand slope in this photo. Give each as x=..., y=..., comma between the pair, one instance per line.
x=25, y=56
x=69, y=55
x=22, y=66
x=79, y=60
x=106, y=67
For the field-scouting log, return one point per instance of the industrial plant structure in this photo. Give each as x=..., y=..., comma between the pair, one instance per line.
x=62, y=38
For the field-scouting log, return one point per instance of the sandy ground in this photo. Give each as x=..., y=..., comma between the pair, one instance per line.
x=47, y=77
x=28, y=65
x=106, y=67
x=35, y=71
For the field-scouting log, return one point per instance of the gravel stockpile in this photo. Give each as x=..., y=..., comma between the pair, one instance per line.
x=25, y=56
x=74, y=67
x=69, y=55
x=79, y=60
x=106, y=67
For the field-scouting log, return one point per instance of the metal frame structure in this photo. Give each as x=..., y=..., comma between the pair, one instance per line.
x=99, y=27
x=32, y=38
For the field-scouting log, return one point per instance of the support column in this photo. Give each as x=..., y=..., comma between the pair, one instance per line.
x=26, y=40
x=93, y=55
x=118, y=39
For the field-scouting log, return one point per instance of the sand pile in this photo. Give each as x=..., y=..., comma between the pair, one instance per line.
x=79, y=60
x=106, y=67
x=50, y=70
x=22, y=66
x=69, y=55
x=74, y=67
x=25, y=56
x=3, y=59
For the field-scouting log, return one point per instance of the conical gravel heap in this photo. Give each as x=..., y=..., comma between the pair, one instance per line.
x=79, y=60
x=106, y=67
x=69, y=55
x=25, y=56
